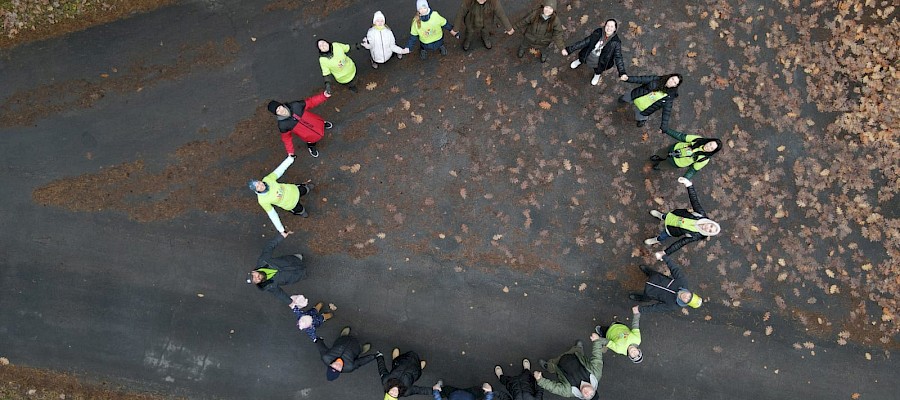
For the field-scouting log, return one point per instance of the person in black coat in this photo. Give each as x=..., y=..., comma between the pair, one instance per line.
x=522, y=386
x=272, y=273
x=344, y=355
x=670, y=291
x=599, y=51
x=655, y=92
x=400, y=381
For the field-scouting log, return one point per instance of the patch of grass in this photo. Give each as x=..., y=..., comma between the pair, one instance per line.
x=37, y=384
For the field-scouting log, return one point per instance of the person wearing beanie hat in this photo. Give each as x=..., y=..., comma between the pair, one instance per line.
x=691, y=151
x=271, y=193
x=336, y=65
x=623, y=340
x=576, y=375
x=400, y=381
x=440, y=391
x=600, y=51
x=477, y=16
x=271, y=273
x=296, y=119
x=427, y=29
x=381, y=42
x=540, y=28
x=692, y=225
x=310, y=319
x=669, y=291
x=522, y=386
x=344, y=356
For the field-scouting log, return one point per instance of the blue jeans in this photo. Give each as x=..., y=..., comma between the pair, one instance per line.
x=663, y=235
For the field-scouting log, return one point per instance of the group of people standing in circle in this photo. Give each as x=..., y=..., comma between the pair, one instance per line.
x=576, y=374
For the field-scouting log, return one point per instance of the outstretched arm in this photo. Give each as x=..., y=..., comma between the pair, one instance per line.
x=283, y=167
x=681, y=242
x=276, y=220
x=695, y=201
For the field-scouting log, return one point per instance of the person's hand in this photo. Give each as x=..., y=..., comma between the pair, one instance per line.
x=511, y=31
x=659, y=255
x=565, y=52
x=436, y=387
x=454, y=33
x=292, y=155
x=595, y=337
x=662, y=131
x=685, y=181
x=298, y=300
x=287, y=233
x=623, y=78
x=636, y=310
x=487, y=387
x=406, y=50
x=537, y=375
x=327, y=93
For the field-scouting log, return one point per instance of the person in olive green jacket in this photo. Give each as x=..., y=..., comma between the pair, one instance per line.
x=540, y=28
x=576, y=376
x=691, y=152
x=477, y=16
x=336, y=64
x=623, y=340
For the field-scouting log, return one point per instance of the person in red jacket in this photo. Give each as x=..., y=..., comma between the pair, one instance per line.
x=295, y=118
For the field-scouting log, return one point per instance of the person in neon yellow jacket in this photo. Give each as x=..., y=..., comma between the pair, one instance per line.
x=691, y=152
x=690, y=226
x=623, y=340
x=427, y=28
x=270, y=193
x=336, y=64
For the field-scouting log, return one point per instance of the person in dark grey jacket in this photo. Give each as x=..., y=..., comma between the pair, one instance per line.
x=400, y=381
x=272, y=273
x=669, y=291
x=522, y=386
x=343, y=356
x=600, y=51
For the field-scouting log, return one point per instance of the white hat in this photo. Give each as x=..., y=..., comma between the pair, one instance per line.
x=378, y=15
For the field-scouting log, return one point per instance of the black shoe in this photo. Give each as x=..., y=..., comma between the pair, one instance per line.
x=328, y=125
x=466, y=45
x=313, y=152
x=646, y=270
x=656, y=158
x=443, y=50
x=641, y=123
x=521, y=52
x=306, y=186
x=543, y=364
x=487, y=43
x=543, y=57
x=423, y=54
x=580, y=345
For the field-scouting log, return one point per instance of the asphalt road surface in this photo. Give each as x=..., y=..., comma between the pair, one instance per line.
x=474, y=208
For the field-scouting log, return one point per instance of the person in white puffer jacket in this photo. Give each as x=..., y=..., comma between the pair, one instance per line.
x=381, y=42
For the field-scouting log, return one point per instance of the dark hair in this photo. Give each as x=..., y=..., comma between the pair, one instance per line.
x=394, y=382
x=540, y=11
x=661, y=83
x=614, y=21
x=697, y=147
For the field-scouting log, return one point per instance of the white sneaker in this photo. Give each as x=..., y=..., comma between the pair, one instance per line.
x=595, y=80
x=650, y=241
x=575, y=64
x=656, y=214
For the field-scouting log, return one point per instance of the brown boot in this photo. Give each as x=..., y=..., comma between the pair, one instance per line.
x=318, y=306
x=327, y=316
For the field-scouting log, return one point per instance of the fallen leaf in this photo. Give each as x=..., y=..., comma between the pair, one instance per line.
x=582, y=287
x=505, y=289
x=371, y=85
x=624, y=167
x=545, y=105
x=462, y=193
